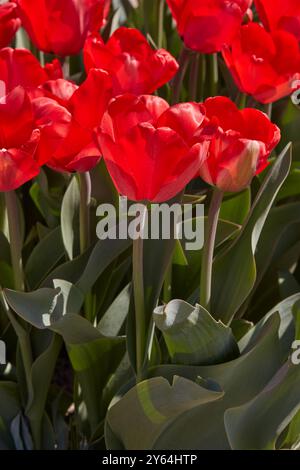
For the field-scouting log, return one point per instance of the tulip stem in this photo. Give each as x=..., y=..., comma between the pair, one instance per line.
x=209, y=246
x=194, y=77
x=183, y=61
x=269, y=109
x=13, y=216
x=85, y=203
x=139, y=296
x=213, y=74
x=160, y=35
x=241, y=100
x=167, y=288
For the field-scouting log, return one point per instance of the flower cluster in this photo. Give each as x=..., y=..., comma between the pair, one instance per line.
x=152, y=150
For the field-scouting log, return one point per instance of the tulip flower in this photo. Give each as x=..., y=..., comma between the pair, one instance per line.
x=19, y=67
x=67, y=116
x=132, y=63
x=264, y=65
x=280, y=14
x=9, y=23
x=150, y=148
x=240, y=144
x=61, y=26
x=19, y=139
x=207, y=25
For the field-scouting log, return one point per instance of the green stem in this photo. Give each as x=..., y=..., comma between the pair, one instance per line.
x=85, y=203
x=269, y=109
x=183, y=61
x=208, y=250
x=167, y=288
x=241, y=100
x=139, y=298
x=203, y=72
x=194, y=77
x=160, y=36
x=13, y=216
x=213, y=74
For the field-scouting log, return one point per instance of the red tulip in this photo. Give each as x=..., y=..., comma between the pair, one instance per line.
x=18, y=140
x=264, y=65
x=9, y=23
x=20, y=67
x=61, y=26
x=67, y=116
x=240, y=144
x=207, y=25
x=280, y=14
x=133, y=65
x=150, y=148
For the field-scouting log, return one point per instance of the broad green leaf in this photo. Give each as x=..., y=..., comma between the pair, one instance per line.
x=292, y=439
x=281, y=232
x=70, y=219
x=234, y=272
x=94, y=363
x=236, y=207
x=291, y=185
x=44, y=257
x=21, y=433
x=154, y=405
x=44, y=307
x=103, y=254
x=4, y=248
x=94, y=356
x=9, y=408
x=288, y=285
x=47, y=203
x=240, y=327
x=192, y=336
x=186, y=275
x=286, y=330
x=41, y=376
x=257, y=424
x=241, y=379
x=112, y=321
x=70, y=271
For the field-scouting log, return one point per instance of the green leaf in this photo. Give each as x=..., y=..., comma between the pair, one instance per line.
x=113, y=319
x=257, y=424
x=280, y=233
x=236, y=207
x=9, y=408
x=286, y=331
x=187, y=266
x=192, y=336
x=41, y=375
x=94, y=362
x=291, y=185
x=287, y=284
x=292, y=439
x=103, y=254
x=240, y=328
x=21, y=433
x=234, y=272
x=47, y=204
x=241, y=379
x=94, y=356
x=44, y=257
x=154, y=405
x=70, y=219
x=44, y=307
